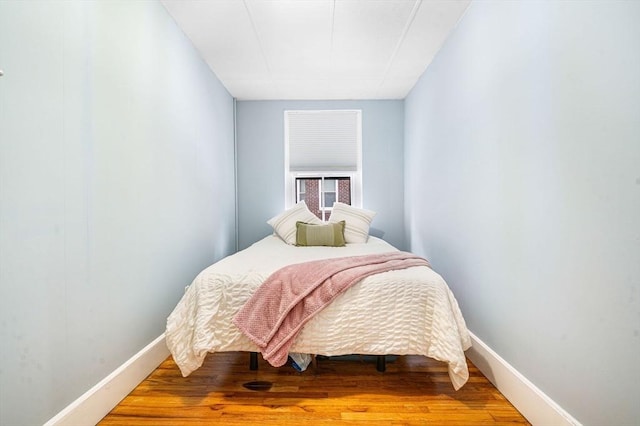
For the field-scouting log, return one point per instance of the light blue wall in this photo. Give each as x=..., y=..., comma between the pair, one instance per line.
x=116, y=188
x=523, y=189
x=260, y=140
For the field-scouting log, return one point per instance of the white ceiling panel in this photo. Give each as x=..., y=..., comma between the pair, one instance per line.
x=366, y=34
x=432, y=24
x=222, y=32
x=295, y=36
x=303, y=88
x=317, y=49
x=360, y=88
x=397, y=88
x=251, y=88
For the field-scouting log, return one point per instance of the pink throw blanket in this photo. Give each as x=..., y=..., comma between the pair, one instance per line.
x=291, y=296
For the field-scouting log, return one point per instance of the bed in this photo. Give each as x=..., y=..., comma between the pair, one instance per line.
x=400, y=312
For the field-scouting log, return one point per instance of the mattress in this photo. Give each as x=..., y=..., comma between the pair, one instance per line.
x=399, y=312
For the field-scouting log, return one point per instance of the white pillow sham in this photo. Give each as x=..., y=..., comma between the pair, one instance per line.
x=357, y=221
x=284, y=224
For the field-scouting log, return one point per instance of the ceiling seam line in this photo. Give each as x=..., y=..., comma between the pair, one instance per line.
x=331, y=30
x=405, y=30
x=257, y=35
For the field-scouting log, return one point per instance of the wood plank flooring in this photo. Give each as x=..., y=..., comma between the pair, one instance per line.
x=413, y=391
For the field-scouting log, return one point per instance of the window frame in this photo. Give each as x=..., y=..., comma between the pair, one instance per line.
x=355, y=177
x=324, y=210
x=323, y=192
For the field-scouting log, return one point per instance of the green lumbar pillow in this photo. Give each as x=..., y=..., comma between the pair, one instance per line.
x=331, y=234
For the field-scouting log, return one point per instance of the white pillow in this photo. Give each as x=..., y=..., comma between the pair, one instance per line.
x=357, y=221
x=285, y=223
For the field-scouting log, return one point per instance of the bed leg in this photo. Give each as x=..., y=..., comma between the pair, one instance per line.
x=253, y=361
x=381, y=363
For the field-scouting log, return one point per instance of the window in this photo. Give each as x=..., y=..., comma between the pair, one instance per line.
x=323, y=160
x=319, y=193
x=329, y=192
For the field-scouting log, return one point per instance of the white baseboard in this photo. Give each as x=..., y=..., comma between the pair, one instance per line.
x=534, y=404
x=96, y=403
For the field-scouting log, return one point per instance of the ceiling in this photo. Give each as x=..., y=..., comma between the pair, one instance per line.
x=317, y=49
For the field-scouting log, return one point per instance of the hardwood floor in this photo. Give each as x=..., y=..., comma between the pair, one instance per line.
x=413, y=391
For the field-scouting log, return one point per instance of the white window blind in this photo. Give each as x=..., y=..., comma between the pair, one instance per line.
x=323, y=140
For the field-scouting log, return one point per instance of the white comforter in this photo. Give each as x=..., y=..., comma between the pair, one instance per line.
x=406, y=312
